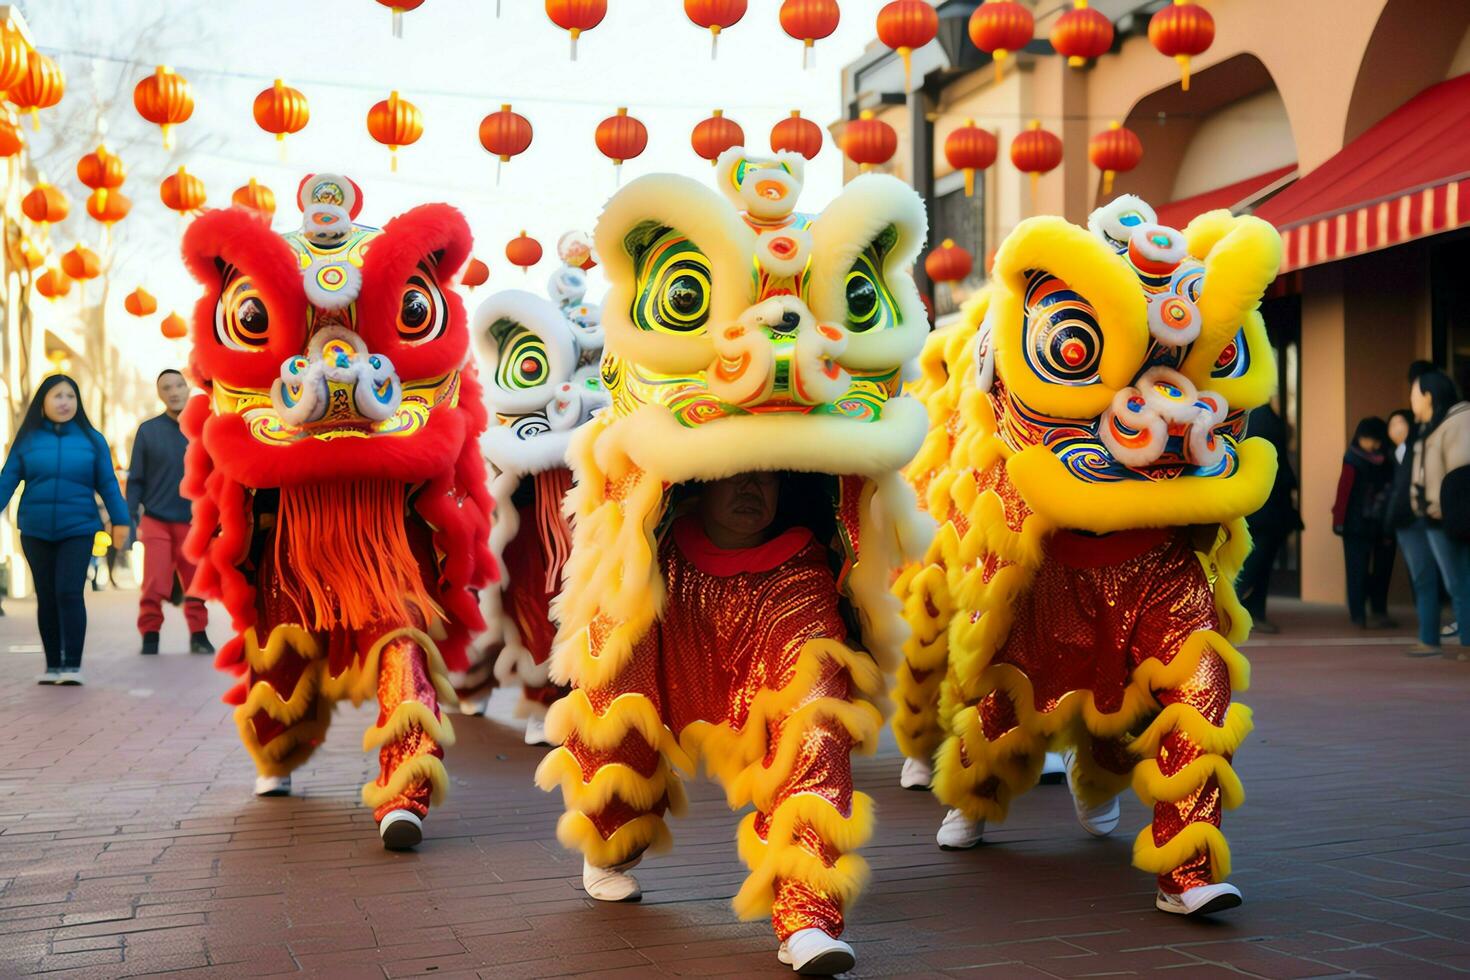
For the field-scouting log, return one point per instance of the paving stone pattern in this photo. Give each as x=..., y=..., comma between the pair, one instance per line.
x=130, y=845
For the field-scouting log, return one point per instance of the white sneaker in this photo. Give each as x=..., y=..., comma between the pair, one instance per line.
x=536, y=731
x=613, y=884
x=272, y=785
x=916, y=774
x=958, y=832
x=1054, y=768
x=813, y=952
x=1200, y=900
x=51, y=676
x=401, y=830
x=1100, y=820
x=70, y=677
x=473, y=708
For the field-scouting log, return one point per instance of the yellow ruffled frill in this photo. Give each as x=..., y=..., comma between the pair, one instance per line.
x=781, y=855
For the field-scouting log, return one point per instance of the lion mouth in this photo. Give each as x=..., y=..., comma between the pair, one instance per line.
x=413, y=413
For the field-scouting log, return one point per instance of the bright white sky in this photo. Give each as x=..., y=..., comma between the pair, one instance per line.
x=457, y=62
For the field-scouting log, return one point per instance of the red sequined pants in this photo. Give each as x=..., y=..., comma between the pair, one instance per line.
x=403, y=675
x=1091, y=618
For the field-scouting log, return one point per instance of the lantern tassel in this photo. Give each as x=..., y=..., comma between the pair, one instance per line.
x=714, y=42
x=617, y=173
x=1035, y=180
x=1183, y=60
x=398, y=22
x=498, y=162
x=36, y=118
x=969, y=181
x=1000, y=74
x=168, y=136
x=808, y=56
x=1108, y=182
x=497, y=9
x=907, y=55
x=575, y=32
x=281, y=145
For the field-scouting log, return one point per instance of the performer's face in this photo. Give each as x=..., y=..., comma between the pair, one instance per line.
x=737, y=510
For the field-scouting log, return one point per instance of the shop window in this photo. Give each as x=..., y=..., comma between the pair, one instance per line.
x=955, y=216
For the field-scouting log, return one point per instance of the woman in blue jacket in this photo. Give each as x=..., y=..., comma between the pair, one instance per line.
x=65, y=463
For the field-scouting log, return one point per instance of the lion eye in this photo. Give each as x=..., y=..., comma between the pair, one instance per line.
x=685, y=296
x=241, y=319
x=421, y=310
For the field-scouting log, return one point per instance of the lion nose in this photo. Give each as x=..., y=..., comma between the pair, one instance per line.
x=788, y=323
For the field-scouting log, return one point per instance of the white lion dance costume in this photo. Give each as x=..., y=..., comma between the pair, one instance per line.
x=1101, y=480
x=757, y=339
x=538, y=358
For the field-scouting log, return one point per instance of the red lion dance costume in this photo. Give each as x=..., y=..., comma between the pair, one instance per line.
x=340, y=505
x=1095, y=508
x=739, y=339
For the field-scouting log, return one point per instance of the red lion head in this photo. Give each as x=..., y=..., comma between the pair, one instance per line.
x=334, y=364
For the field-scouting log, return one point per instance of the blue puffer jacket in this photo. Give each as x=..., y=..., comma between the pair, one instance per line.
x=64, y=467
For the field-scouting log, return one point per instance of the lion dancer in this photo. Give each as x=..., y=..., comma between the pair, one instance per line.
x=1105, y=474
x=739, y=518
x=340, y=506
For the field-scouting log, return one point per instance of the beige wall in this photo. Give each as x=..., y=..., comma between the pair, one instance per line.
x=1238, y=141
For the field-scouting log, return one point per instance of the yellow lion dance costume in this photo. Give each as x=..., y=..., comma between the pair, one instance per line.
x=740, y=339
x=1079, y=593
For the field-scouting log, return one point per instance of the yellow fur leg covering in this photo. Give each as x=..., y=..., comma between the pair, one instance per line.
x=304, y=715
x=1014, y=760
x=576, y=832
x=1092, y=784
x=614, y=779
x=735, y=758
x=404, y=717
x=781, y=856
x=420, y=768
x=1192, y=840
x=1152, y=786
x=603, y=732
x=1220, y=740
x=916, y=715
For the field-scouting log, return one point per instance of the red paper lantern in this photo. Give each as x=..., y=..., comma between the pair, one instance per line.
x=398, y=7
x=968, y=149
x=108, y=207
x=948, y=263
x=101, y=170
x=53, y=283
x=140, y=302
x=15, y=54
x=1000, y=28
x=715, y=135
x=45, y=205
x=182, y=192
x=809, y=21
x=256, y=197
x=1036, y=151
x=395, y=122
x=576, y=16
x=797, y=135
x=282, y=110
x=81, y=263
x=11, y=140
x=40, y=86
x=164, y=99
x=174, y=327
x=476, y=273
x=1181, y=30
x=505, y=134
x=1115, y=150
x=621, y=137
x=905, y=26
x=715, y=16
x=869, y=142
x=523, y=251
x=1081, y=34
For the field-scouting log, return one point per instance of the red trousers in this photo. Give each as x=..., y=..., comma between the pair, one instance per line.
x=163, y=555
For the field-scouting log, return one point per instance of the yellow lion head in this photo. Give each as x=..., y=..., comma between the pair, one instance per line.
x=1120, y=361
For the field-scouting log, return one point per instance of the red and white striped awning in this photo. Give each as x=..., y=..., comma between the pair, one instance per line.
x=1405, y=178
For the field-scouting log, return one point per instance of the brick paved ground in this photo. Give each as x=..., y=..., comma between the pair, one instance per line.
x=129, y=845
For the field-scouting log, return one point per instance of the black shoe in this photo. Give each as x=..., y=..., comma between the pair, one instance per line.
x=199, y=643
x=150, y=644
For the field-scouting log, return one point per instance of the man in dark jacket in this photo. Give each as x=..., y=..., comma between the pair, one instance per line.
x=162, y=516
x=1270, y=526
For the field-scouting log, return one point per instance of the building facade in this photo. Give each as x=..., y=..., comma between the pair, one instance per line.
x=1347, y=125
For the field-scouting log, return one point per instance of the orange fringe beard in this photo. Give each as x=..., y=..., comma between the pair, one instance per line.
x=348, y=561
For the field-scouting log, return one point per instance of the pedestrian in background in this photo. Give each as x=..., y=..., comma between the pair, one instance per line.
x=1441, y=448
x=162, y=517
x=1360, y=517
x=1270, y=526
x=65, y=464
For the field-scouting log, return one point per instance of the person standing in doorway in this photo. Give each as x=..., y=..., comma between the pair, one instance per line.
x=1270, y=526
x=162, y=517
x=1442, y=447
x=1360, y=518
x=65, y=464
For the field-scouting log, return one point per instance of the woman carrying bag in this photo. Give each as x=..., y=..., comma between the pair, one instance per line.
x=1440, y=495
x=65, y=463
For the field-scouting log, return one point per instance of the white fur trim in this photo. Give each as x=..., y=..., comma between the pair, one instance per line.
x=543, y=318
